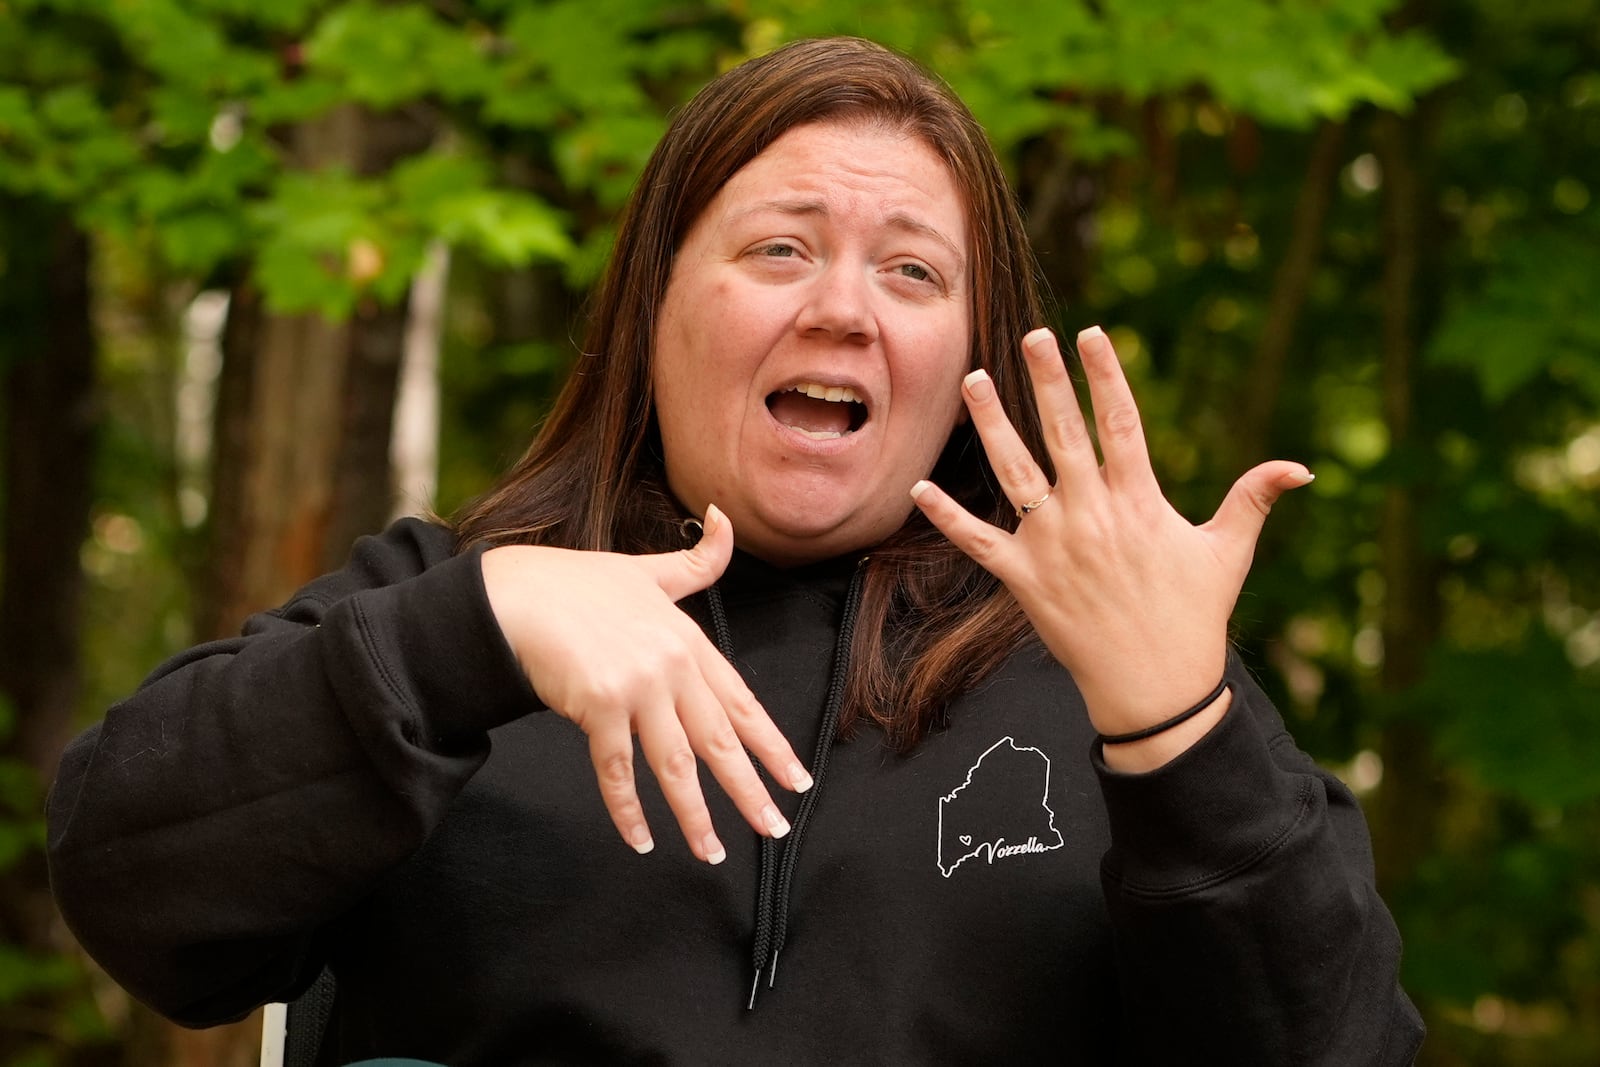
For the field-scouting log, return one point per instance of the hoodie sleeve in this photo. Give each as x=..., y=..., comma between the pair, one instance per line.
x=1241, y=891
x=253, y=789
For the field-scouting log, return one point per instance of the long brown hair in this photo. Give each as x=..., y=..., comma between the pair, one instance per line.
x=593, y=477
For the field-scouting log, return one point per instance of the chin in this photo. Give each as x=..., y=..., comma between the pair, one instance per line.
x=808, y=536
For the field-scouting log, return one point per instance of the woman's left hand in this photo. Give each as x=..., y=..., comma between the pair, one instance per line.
x=1132, y=598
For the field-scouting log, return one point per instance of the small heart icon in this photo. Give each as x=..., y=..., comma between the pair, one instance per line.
x=966, y=839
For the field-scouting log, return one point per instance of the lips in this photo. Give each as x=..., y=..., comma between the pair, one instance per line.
x=820, y=412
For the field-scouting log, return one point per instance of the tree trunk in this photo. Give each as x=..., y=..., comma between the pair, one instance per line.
x=1291, y=285
x=1409, y=800
x=414, y=444
x=49, y=450
x=1060, y=198
x=301, y=462
x=47, y=367
x=304, y=413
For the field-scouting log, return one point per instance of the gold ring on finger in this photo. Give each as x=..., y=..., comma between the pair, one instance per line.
x=1033, y=505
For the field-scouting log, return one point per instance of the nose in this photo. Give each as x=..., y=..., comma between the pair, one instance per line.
x=838, y=306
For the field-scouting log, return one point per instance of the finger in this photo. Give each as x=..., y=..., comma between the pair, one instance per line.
x=612, y=756
x=1015, y=467
x=693, y=569
x=712, y=736
x=1127, y=460
x=1244, y=510
x=1066, y=434
x=752, y=724
x=988, y=545
x=667, y=750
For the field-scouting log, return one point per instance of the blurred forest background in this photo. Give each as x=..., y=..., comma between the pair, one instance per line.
x=271, y=272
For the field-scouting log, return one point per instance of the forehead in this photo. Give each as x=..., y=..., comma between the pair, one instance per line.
x=860, y=170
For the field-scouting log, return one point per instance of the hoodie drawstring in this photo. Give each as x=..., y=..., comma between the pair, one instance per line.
x=779, y=858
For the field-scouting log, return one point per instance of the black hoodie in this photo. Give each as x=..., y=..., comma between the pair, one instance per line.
x=364, y=781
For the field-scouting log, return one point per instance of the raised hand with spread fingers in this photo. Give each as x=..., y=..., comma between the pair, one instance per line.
x=1130, y=596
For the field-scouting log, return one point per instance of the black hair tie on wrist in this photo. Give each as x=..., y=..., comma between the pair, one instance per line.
x=1182, y=717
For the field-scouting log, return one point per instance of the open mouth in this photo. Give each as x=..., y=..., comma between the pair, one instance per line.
x=821, y=412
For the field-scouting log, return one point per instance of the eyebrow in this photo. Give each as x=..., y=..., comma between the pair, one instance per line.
x=899, y=220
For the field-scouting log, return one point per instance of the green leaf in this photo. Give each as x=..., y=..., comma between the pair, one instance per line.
x=72, y=110
x=506, y=227
x=1521, y=717
x=308, y=228
x=25, y=974
x=183, y=117
x=19, y=122
x=1526, y=317
x=196, y=242
x=385, y=55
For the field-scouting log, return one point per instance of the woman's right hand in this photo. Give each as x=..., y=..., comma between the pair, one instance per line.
x=604, y=643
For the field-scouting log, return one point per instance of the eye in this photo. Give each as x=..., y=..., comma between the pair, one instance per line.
x=916, y=271
x=776, y=251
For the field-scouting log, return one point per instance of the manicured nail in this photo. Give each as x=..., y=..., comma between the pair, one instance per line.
x=777, y=825
x=641, y=841
x=979, y=385
x=1302, y=477
x=715, y=853
x=1092, y=333
x=921, y=487
x=713, y=518
x=798, y=778
x=1035, y=342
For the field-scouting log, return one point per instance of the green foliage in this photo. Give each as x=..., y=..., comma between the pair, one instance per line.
x=453, y=198
x=385, y=55
x=167, y=116
x=184, y=137
x=1535, y=743
x=1037, y=67
x=1526, y=320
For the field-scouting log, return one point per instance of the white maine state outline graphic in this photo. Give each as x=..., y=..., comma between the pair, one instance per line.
x=1007, y=832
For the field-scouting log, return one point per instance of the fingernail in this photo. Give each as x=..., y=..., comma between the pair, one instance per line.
x=1302, y=477
x=1091, y=334
x=798, y=778
x=921, y=487
x=979, y=385
x=1034, y=342
x=715, y=853
x=713, y=517
x=641, y=841
x=777, y=825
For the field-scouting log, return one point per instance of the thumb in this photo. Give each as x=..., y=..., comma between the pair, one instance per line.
x=693, y=569
x=1244, y=510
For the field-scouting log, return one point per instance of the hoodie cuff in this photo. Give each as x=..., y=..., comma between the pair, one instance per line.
x=436, y=640
x=1210, y=812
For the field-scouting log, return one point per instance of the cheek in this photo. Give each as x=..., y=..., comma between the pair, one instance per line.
x=673, y=379
x=947, y=412
x=945, y=406
x=702, y=370
x=934, y=413
x=939, y=381
x=718, y=346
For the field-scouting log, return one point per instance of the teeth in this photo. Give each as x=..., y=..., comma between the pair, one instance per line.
x=833, y=393
x=819, y=435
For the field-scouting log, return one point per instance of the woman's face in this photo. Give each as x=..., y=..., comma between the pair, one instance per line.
x=813, y=338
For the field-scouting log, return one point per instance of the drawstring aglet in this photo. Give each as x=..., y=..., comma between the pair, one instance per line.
x=755, y=985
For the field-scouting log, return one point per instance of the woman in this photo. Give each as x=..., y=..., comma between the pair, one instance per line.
x=817, y=332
